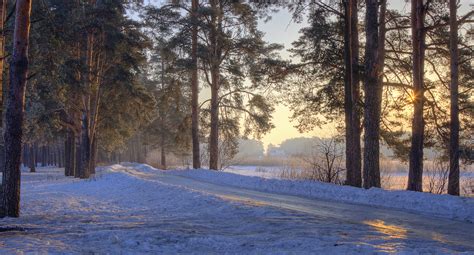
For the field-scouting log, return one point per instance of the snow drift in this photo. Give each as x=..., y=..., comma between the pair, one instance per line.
x=446, y=206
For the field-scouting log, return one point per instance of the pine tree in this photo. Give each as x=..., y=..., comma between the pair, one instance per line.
x=352, y=94
x=195, y=86
x=373, y=88
x=14, y=110
x=453, y=184
x=415, y=175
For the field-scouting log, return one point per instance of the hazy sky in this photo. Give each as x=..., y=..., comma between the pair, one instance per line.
x=283, y=30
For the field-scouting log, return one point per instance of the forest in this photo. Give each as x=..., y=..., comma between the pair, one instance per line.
x=88, y=84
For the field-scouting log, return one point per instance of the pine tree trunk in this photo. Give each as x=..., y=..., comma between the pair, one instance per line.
x=43, y=156
x=77, y=156
x=93, y=161
x=54, y=154
x=15, y=110
x=67, y=155
x=373, y=87
x=50, y=155
x=453, y=183
x=61, y=155
x=3, y=12
x=26, y=154
x=72, y=154
x=352, y=94
x=163, y=158
x=84, y=171
x=215, y=80
x=195, y=89
x=415, y=175
x=32, y=158
x=214, y=136
x=347, y=95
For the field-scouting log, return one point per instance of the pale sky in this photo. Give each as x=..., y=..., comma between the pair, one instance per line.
x=283, y=30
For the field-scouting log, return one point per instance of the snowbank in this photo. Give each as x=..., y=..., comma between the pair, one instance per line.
x=128, y=210
x=446, y=206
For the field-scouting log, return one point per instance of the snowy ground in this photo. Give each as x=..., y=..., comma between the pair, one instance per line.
x=390, y=180
x=459, y=208
x=137, y=209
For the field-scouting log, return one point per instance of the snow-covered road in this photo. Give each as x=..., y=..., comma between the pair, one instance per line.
x=141, y=210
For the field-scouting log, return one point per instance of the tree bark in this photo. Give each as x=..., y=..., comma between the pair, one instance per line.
x=43, y=156
x=214, y=136
x=93, y=161
x=374, y=62
x=415, y=175
x=352, y=94
x=26, y=154
x=3, y=12
x=54, y=155
x=163, y=158
x=32, y=158
x=195, y=88
x=61, y=155
x=216, y=29
x=67, y=155
x=84, y=170
x=77, y=144
x=15, y=110
x=453, y=183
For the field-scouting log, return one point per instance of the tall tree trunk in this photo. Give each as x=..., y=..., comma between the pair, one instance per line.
x=43, y=156
x=72, y=155
x=373, y=87
x=15, y=110
x=163, y=158
x=355, y=83
x=453, y=183
x=93, y=161
x=67, y=155
x=352, y=94
x=26, y=154
x=54, y=155
x=415, y=175
x=32, y=158
x=195, y=89
x=78, y=154
x=216, y=29
x=3, y=12
x=61, y=149
x=84, y=171
x=49, y=156
x=214, y=136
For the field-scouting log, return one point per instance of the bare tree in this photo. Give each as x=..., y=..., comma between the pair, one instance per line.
x=437, y=177
x=325, y=162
